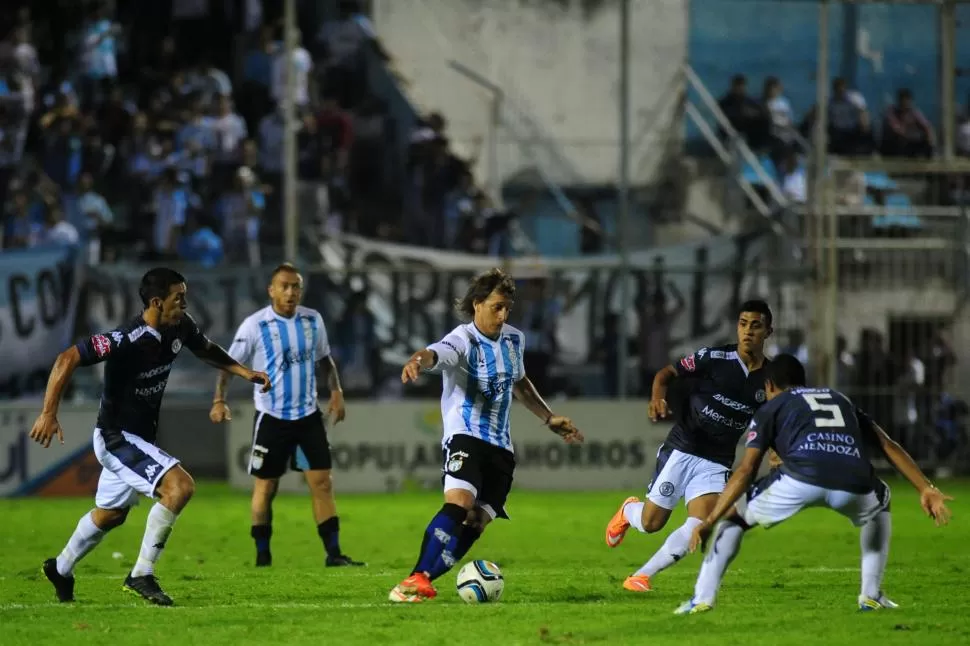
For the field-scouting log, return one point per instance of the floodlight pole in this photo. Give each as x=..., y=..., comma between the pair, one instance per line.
x=290, y=220
x=624, y=199
x=948, y=66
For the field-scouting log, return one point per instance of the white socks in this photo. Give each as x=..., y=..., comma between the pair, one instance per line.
x=157, y=530
x=84, y=539
x=874, y=539
x=673, y=549
x=633, y=512
x=721, y=550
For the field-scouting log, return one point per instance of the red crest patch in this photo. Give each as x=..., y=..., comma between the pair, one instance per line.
x=101, y=345
x=688, y=363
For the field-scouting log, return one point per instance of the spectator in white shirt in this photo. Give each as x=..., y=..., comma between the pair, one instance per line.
x=301, y=66
x=57, y=231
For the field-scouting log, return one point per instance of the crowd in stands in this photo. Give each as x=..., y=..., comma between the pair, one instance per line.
x=769, y=125
x=152, y=133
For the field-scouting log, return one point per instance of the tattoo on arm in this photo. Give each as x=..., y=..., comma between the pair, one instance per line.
x=329, y=367
x=222, y=384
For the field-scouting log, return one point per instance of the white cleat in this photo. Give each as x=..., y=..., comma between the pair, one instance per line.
x=692, y=608
x=867, y=604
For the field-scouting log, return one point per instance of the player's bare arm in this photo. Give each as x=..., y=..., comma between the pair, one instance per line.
x=658, y=395
x=525, y=391
x=220, y=400
x=46, y=426
x=335, y=409
x=932, y=500
x=216, y=356
x=738, y=484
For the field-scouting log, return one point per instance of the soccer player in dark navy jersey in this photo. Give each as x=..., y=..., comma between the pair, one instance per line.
x=138, y=358
x=723, y=386
x=825, y=445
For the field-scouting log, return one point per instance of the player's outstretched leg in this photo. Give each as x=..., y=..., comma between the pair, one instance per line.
x=175, y=490
x=874, y=539
x=721, y=550
x=325, y=514
x=87, y=535
x=436, y=556
x=673, y=549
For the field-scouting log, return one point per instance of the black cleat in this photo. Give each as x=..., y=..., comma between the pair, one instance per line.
x=342, y=561
x=264, y=559
x=63, y=585
x=147, y=586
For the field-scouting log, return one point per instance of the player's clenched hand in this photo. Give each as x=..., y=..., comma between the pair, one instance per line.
x=336, y=410
x=260, y=378
x=45, y=428
x=698, y=538
x=933, y=502
x=658, y=410
x=564, y=428
x=220, y=413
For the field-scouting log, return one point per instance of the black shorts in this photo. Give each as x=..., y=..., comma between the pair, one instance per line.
x=486, y=467
x=300, y=443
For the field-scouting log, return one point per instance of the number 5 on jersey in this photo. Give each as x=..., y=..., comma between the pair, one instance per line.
x=826, y=415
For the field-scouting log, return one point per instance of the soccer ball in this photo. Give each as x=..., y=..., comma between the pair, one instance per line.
x=480, y=582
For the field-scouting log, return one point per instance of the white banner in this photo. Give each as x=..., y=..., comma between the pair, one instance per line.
x=38, y=306
x=411, y=300
x=27, y=468
x=388, y=447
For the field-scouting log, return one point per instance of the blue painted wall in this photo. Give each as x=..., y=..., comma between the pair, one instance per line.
x=761, y=38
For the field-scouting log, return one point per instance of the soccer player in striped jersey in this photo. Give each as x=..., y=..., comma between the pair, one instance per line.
x=482, y=367
x=289, y=342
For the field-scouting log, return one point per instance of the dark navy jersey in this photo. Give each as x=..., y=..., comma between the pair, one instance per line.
x=138, y=360
x=821, y=437
x=720, y=398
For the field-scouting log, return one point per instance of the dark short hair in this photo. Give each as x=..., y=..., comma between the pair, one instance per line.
x=481, y=286
x=157, y=283
x=785, y=371
x=286, y=266
x=757, y=306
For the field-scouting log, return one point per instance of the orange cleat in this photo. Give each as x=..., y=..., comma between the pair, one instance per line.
x=414, y=589
x=637, y=583
x=616, y=530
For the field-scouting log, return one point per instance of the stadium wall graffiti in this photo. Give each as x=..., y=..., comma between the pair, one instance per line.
x=410, y=289
x=38, y=304
x=388, y=447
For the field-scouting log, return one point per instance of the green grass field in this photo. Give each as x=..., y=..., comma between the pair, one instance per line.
x=795, y=584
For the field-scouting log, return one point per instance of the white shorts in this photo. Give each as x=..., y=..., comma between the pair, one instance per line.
x=777, y=497
x=132, y=466
x=681, y=475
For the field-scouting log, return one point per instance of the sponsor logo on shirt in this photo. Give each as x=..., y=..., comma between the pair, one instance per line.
x=101, y=345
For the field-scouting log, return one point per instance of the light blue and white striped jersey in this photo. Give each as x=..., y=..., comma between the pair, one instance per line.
x=286, y=349
x=478, y=374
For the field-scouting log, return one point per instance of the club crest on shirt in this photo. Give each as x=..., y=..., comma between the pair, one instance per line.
x=752, y=436
x=455, y=461
x=176, y=346
x=760, y=396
